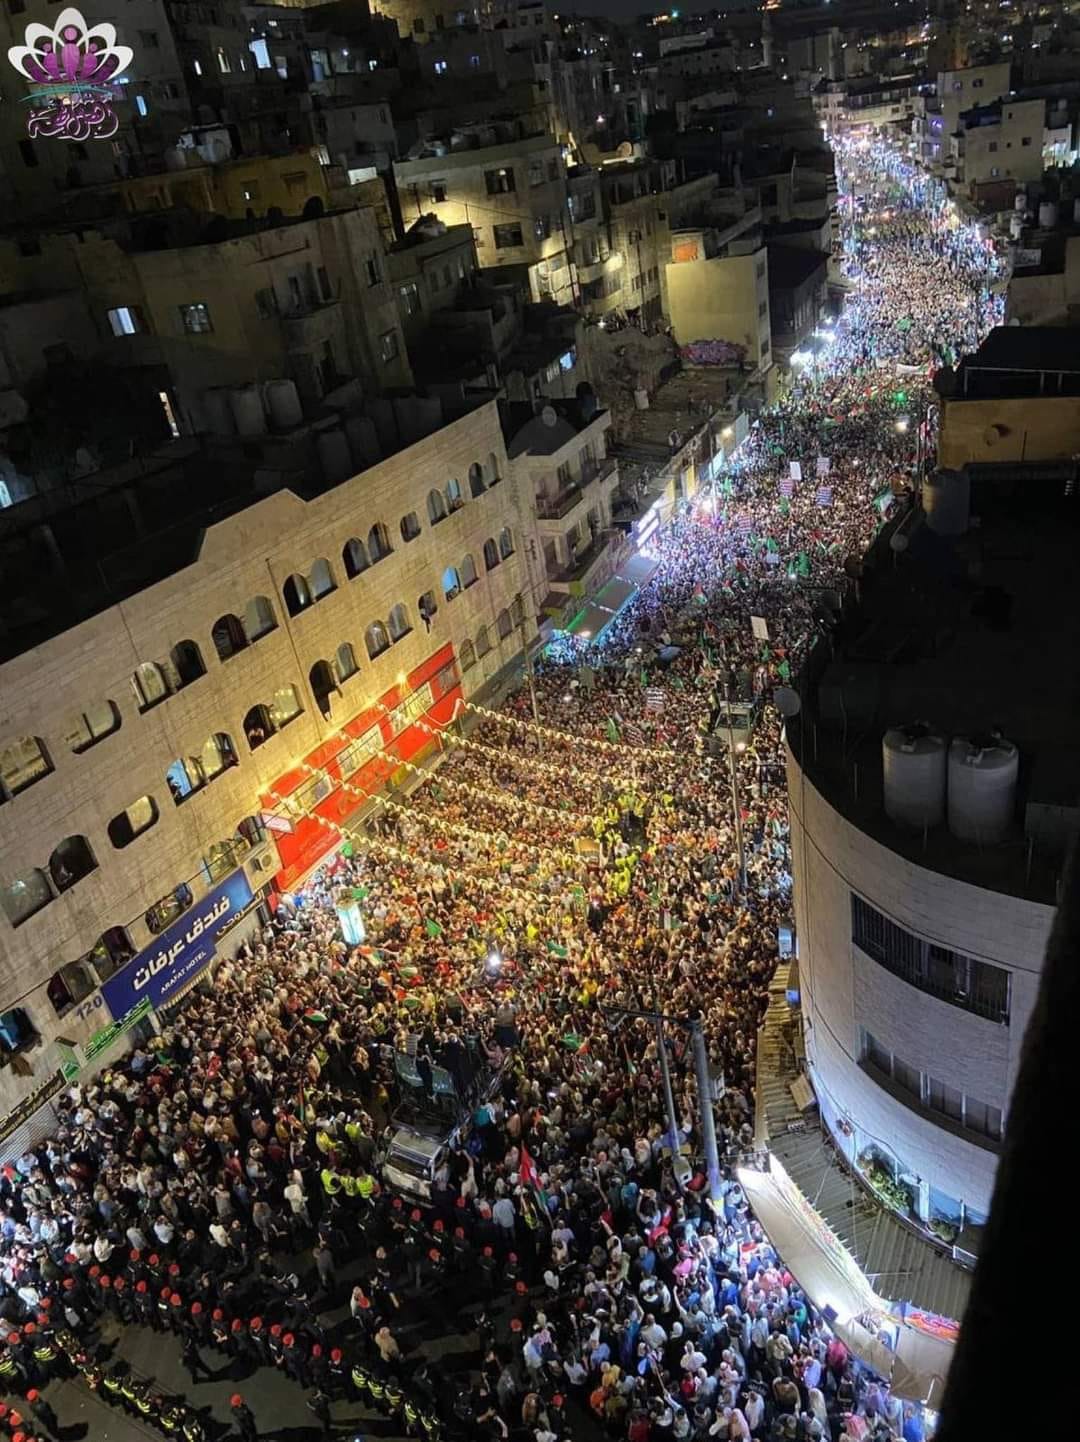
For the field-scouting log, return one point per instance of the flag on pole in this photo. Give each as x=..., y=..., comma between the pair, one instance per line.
x=432, y=928
x=530, y=1177
x=612, y=731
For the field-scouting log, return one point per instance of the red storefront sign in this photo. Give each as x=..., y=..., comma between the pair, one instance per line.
x=365, y=753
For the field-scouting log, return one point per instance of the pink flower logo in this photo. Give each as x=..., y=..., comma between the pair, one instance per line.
x=70, y=54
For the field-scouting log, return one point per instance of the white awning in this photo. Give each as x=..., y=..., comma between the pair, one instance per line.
x=913, y=1361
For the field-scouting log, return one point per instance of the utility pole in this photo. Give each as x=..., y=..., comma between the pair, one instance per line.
x=529, y=666
x=708, y=1125
x=665, y=1072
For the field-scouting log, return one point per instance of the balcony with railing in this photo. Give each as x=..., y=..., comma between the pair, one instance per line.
x=588, y=486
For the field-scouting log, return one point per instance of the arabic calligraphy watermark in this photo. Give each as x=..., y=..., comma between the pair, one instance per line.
x=72, y=69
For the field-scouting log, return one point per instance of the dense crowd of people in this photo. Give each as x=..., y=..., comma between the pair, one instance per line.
x=527, y=912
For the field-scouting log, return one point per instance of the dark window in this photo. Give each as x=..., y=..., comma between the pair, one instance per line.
x=28, y=153
x=195, y=318
x=976, y=986
x=507, y=236
x=500, y=181
x=438, y=191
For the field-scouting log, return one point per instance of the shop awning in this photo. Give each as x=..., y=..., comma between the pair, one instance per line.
x=915, y=1362
x=590, y=621
x=637, y=569
x=614, y=594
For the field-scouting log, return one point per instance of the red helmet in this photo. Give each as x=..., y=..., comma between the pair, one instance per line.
x=316, y=1350
x=414, y=1215
x=288, y=1340
x=196, y=1309
x=365, y=1303
x=511, y=1256
x=68, y=1284
x=236, y=1400
x=335, y=1355
x=29, y=1329
x=237, y=1325
x=135, y=1256
x=520, y=1288
x=515, y=1324
x=256, y=1324
x=46, y=1303
x=3, y=1409
x=396, y=1204
x=216, y=1315
x=489, y=1251
x=153, y=1259
x=95, y=1270
x=118, y=1286
x=105, y=1281
x=32, y=1395
x=13, y=1337
x=439, y=1225
x=176, y=1300
x=275, y=1330
x=558, y=1399
x=166, y=1291
x=19, y=1436
x=174, y=1269
x=435, y=1255
x=140, y=1286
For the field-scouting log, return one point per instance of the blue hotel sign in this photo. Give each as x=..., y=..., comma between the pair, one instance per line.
x=181, y=951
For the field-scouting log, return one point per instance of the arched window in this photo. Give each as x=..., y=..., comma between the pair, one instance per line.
x=491, y=470
x=70, y=985
x=285, y=706
x=451, y=583
x=355, y=558
x=376, y=639
x=71, y=861
x=258, y=726
x=483, y=642
x=476, y=481
x=296, y=594
x=399, y=622
x=410, y=526
x=184, y=776
x=321, y=579
x=378, y=543
x=84, y=729
x=110, y=952
x=454, y=499
x=137, y=818
x=227, y=634
x=187, y=663
x=218, y=754
x=259, y=618
x=503, y=624
x=148, y=683
x=345, y=662
x=491, y=554
x=165, y=911
x=323, y=685
x=22, y=762
x=427, y=605
x=466, y=656
x=517, y=611
x=251, y=831
x=23, y=895
x=436, y=507
x=468, y=573
x=506, y=543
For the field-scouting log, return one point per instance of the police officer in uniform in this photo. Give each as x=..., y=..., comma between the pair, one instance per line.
x=244, y=1418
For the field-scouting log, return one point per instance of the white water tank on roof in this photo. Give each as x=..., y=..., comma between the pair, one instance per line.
x=217, y=409
x=946, y=501
x=247, y=409
x=982, y=788
x=335, y=458
x=283, y=401
x=1048, y=214
x=913, y=766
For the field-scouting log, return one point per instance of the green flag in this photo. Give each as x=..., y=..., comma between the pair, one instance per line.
x=555, y=949
x=432, y=928
x=785, y=671
x=359, y=892
x=802, y=565
x=612, y=730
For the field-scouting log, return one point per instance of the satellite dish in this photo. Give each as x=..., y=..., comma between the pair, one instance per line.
x=787, y=701
x=549, y=416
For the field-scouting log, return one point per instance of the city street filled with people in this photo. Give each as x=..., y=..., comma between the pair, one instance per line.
x=576, y=863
